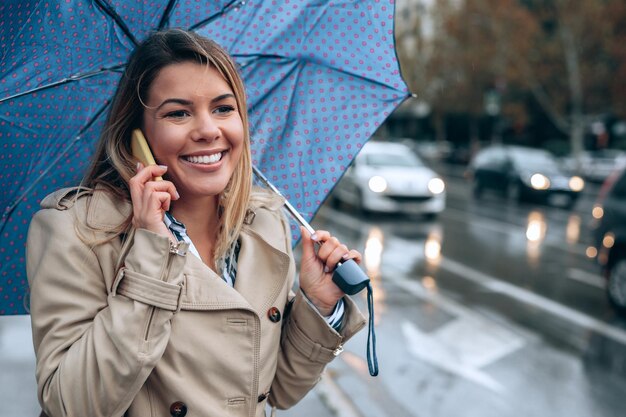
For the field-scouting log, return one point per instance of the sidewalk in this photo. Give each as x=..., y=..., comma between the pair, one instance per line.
x=313, y=405
x=18, y=392
x=325, y=400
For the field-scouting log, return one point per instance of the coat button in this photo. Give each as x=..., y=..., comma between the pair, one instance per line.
x=262, y=398
x=178, y=409
x=274, y=314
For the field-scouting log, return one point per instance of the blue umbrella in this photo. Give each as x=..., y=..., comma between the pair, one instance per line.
x=321, y=77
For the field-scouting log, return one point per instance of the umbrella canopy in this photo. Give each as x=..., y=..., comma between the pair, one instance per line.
x=321, y=77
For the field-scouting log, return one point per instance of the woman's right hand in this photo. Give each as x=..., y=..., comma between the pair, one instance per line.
x=151, y=199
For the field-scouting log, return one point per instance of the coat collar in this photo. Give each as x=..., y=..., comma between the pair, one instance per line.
x=105, y=211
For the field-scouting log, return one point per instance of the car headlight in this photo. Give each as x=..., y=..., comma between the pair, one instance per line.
x=539, y=182
x=576, y=183
x=377, y=184
x=436, y=185
x=597, y=212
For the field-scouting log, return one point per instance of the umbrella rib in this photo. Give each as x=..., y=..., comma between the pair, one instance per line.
x=166, y=14
x=108, y=9
x=11, y=207
x=344, y=71
x=232, y=4
x=75, y=77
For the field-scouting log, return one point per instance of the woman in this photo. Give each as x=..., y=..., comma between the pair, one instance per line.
x=158, y=298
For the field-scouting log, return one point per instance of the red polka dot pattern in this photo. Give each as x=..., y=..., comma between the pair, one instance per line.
x=320, y=76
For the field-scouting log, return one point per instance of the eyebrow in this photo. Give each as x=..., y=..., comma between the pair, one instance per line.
x=185, y=102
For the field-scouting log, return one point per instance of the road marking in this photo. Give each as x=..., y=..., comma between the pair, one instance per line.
x=586, y=278
x=446, y=356
x=463, y=345
x=528, y=297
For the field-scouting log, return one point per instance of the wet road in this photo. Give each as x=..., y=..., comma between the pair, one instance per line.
x=493, y=309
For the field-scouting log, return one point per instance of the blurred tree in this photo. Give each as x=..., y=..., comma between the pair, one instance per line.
x=410, y=44
x=488, y=56
x=616, y=33
x=469, y=70
x=568, y=72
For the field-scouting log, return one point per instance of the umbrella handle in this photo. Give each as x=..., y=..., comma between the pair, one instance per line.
x=348, y=276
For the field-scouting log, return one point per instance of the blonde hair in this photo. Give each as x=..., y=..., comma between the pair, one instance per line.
x=113, y=164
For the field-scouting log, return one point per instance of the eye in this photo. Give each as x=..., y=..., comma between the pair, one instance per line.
x=224, y=109
x=177, y=114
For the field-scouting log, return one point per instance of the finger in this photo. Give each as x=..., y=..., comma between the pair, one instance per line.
x=165, y=199
x=336, y=256
x=151, y=193
x=145, y=174
x=321, y=236
x=135, y=183
x=149, y=212
x=154, y=171
x=354, y=255
x=157, y=202
x=162, y=186
x=136, y=191
x=329, y=245
x=308, y=245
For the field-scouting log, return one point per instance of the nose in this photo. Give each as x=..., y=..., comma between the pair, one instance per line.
x=206, y=128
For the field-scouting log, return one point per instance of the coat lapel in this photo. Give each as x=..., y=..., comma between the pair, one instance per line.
x=105, y=212
x=205, y=290
x=261, y=274
x=265, y=266
x=262, y=271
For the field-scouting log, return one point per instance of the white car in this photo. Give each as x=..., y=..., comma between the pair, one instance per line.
x=390, y=177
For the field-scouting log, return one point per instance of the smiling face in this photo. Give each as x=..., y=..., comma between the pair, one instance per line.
x=193, y=126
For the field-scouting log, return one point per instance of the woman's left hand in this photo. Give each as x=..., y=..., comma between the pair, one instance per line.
x=316, y=269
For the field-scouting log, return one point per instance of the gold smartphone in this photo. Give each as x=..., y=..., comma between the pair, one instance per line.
x=141, y=150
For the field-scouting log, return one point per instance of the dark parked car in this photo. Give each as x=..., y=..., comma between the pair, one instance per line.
x=609, y=227
x=523, y=174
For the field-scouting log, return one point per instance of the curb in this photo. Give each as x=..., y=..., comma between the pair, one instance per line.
x=335, y=399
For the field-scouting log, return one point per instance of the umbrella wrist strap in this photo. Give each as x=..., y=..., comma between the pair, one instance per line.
x=372, y=359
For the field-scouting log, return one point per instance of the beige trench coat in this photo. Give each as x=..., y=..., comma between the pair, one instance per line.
x=134, y=328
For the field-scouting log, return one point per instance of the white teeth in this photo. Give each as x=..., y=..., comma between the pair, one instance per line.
x=205, y=159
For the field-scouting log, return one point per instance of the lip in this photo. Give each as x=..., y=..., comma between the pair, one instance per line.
x=205, y=153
